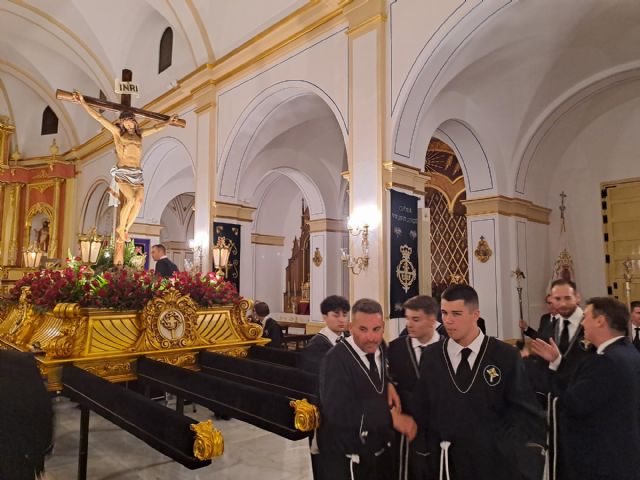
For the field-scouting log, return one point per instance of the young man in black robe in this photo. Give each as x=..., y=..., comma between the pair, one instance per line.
x=357, y=425
x=270, y=328
x=335, y=314
x=477, y=409
x=405, y=355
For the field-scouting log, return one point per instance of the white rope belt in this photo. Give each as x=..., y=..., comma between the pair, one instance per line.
x=444, y=459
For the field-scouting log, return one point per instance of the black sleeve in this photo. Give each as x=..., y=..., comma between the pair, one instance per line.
x=162, y=268
x=531, y=333
x=341, y=411
x=591, y=387
x=311, y=356
x=273, y=331
x=521, y=435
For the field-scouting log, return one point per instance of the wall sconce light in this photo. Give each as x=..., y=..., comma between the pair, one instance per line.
x=90, y=246
x=32, y=256
x=221, y=253
x=357, y=264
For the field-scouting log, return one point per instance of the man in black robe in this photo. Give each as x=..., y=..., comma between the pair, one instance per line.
x=335, y=313
x=270, y=328
x=405, y=355
x=558, y=352
x=164, y=267
x=545, y=320
x=600, y=408
x=476, y=407
x=357, y=426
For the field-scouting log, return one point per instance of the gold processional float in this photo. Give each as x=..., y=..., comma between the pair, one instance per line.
x=171, y=328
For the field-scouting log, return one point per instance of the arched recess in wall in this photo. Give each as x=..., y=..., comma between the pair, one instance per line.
x=293, y=149
x=177, y=221
x=168, y=171
x=273, y=112
x=448, y=226
x=96, y=211
x=423, y=82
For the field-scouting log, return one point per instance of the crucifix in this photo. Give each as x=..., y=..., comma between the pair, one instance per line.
x=127, y=182
x=562, y=208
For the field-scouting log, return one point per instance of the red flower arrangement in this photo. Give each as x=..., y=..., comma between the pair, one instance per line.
x=206, y=289
x=120, y=289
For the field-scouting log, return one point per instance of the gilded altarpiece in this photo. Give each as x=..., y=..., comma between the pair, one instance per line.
x=443, y=197
x=33, y=204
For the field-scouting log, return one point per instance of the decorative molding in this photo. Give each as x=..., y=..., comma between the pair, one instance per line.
x=327, y=225
x=273, y=240
x=367, y=25
x=149, y=229
x=508, y=206
x=397, y=174
x=233, y=211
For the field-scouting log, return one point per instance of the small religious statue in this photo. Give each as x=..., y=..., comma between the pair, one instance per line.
x=127, y=179
x=42, y=236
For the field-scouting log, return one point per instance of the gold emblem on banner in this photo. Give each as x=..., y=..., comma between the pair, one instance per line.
x=405, y=271
x=483, y=251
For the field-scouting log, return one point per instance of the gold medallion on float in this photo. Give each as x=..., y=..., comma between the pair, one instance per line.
x=405, y=271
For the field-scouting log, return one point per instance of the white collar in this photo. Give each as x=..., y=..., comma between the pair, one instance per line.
x=330, y=334
x=360, y=352
x=434, y=338
x=575, y=318
x=605, y=344
x=455, y=348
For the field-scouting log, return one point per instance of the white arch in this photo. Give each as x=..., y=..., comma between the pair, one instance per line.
x=168, y=170
x=418, y=88
x=560, y=107
x=252, y=118
x=478, y=172
x=305, y=184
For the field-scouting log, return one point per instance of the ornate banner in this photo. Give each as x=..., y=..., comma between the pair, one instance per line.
x=231, y=232
x=404, y=250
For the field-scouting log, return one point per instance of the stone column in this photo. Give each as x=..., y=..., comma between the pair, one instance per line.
x=502, y=223
x=366, y=149
x=205, y=174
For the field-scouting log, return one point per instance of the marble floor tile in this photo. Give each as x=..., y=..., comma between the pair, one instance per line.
x=250, y=453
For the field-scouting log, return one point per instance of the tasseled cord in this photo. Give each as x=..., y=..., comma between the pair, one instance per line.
x=444, y=459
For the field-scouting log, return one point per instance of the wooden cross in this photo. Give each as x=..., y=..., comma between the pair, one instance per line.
x=123, y=106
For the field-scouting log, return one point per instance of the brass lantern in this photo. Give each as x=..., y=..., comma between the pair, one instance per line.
x=32, y=256
x=221, y=253
x=90, y=245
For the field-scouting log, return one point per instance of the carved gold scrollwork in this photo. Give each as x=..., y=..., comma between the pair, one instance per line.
x=236, y=352
x=109, y=369
x=72, y=333
x=306, y=417
x=169, y=322
x=208, y=442
x=182, y=360
x=21, y=331
x=249, y=330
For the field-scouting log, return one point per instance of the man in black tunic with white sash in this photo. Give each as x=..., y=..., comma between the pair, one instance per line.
x=479, y=414
x=357, y=425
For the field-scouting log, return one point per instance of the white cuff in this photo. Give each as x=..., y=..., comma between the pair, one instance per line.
x=556, y=363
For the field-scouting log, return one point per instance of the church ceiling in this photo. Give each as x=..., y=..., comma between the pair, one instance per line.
x=85, y=44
